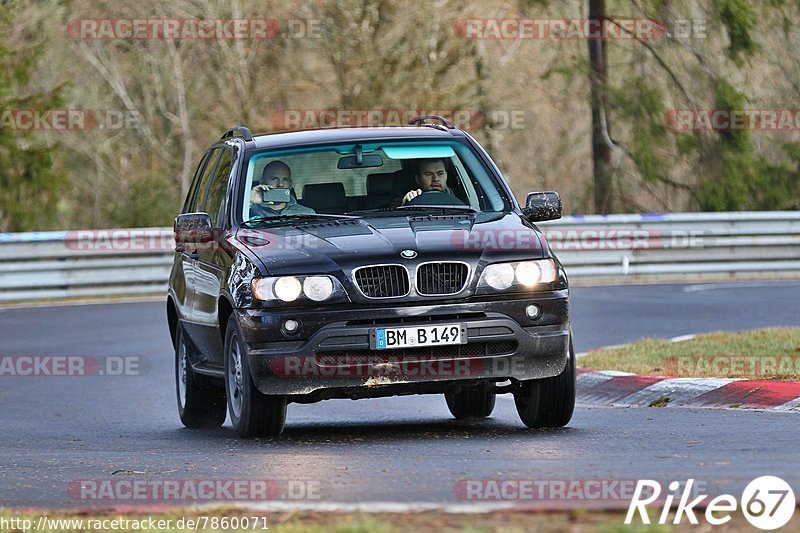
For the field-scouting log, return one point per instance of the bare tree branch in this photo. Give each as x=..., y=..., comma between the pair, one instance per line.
x=115, y=80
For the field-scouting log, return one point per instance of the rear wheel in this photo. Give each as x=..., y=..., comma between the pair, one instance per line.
x=201, y=399
x=470, y=403
x=253, y=414
x=548, y=402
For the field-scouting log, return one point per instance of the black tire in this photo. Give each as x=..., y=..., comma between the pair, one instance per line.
x=548, y=402
x=252, y=414
x=473, y=403
x=201, y=399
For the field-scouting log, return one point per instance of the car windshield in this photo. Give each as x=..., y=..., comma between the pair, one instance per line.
x=368, y=179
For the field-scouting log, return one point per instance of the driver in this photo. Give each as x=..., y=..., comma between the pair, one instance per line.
x=431, y=175
x=276, y=175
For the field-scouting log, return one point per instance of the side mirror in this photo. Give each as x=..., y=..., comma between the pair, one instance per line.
x=541, y=206
x=192, y=228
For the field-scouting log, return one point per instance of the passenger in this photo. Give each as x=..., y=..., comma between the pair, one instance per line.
x=276, y=175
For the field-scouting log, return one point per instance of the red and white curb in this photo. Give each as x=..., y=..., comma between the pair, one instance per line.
x=610, y=387
x=632, y=390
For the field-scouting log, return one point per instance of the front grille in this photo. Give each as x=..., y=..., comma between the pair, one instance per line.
x=384, y=281
x=472, y=349
x=441, y=278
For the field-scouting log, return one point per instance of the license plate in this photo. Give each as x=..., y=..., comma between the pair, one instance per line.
x=412, y=337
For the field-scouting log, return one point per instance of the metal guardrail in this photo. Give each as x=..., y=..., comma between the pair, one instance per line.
x=698, y=246
x=691, y=245
x=85, y=263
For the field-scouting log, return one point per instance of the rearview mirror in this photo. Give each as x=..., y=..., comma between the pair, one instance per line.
x=353, y=161
x=541, y=206
x=192, y=228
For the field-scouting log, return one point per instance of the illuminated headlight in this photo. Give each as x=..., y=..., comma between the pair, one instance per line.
x=318, y=288
x=298, y=289
x=528, y=273
x=288, y=288
x=532, y=273
x=500, y=276
x=519, y=275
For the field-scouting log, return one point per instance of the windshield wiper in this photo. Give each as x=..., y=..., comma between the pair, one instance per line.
x=366, y=211
x=467, y=208
x=400, y=209
x=300, y=217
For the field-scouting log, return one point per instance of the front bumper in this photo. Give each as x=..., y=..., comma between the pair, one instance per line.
x=331, y=356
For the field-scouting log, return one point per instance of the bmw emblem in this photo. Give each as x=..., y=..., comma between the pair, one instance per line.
x=408, y=254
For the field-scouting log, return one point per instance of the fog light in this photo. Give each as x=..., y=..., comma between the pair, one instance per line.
x=290, y=326
x=533, y=311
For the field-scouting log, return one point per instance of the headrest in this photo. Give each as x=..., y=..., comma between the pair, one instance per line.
x=324, y=197
x=380, y=184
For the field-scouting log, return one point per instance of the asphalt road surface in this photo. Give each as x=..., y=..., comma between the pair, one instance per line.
x=57, y=431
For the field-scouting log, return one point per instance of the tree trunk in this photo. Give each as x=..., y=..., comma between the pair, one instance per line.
x=601, y=151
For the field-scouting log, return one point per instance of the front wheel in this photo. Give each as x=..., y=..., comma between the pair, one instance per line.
x=475, y=403
x=253, y=414
x=201, y=399
x=548, y=402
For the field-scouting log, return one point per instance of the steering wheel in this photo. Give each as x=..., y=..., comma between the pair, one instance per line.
x=435, y=198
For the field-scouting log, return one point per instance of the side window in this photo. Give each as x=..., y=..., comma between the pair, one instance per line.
x=219, y=186
x=193, y=187
x=202, y=187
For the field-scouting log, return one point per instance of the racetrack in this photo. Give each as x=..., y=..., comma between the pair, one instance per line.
x=61, y=429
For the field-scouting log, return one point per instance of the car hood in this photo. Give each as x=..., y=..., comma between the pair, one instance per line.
x=340, y=245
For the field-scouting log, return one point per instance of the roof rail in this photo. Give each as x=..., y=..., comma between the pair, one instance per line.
x=420, y=121
x=247, y=135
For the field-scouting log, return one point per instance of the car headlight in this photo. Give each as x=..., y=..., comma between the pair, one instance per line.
x=299, y=289
x=528, y=273
x=518, y=276
x=318, y=288
x=499, y=276
x=288, y=288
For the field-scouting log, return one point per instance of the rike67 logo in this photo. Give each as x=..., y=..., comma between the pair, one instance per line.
x=767, y=502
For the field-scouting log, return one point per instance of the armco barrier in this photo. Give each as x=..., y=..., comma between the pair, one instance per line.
x=91, y=263
x=96, y=263
x=692, y=245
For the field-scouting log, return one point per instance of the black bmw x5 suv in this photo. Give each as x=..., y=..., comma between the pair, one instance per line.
x=361, y=263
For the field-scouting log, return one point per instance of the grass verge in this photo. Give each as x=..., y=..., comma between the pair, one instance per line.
x=770, y=353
